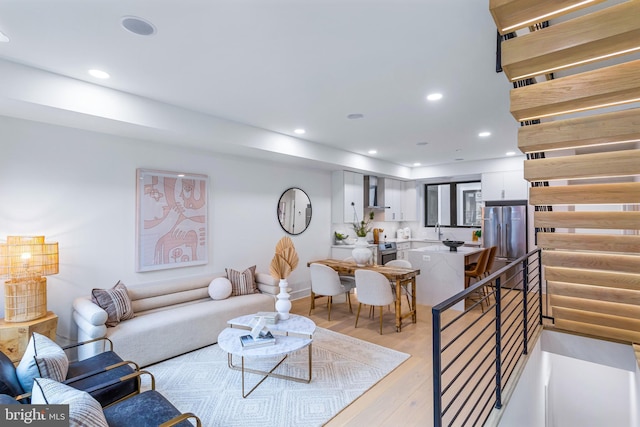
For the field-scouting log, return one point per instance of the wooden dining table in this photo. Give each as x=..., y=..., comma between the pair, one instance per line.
x=400, y=276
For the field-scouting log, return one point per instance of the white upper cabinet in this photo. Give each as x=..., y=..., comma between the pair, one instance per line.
x=346, y=188
x=409, y=201
x=507, y=185
x=401, y=198
x=393, y=199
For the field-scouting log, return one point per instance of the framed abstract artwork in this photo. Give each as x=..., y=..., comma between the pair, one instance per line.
x=171, y=220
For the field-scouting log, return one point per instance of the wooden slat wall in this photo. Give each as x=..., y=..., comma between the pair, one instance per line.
x=627, y=192
x=510, y=15
x=603, y=87
x=615, y=127
x=610, y=31
x=592, y=261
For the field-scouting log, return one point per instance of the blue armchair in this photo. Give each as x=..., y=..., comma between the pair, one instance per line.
x=89, y=375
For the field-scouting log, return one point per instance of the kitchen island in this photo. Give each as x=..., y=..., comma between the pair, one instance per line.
x=442, y=272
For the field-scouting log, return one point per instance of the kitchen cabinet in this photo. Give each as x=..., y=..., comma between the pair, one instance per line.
x=403, y=250
x=393, y=199
x=401, y=198
x=409, y=201
x=341, y=253
x=346, y=188
x=506, y=185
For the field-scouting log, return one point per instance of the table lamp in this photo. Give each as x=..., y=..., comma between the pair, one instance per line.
x=25, y=260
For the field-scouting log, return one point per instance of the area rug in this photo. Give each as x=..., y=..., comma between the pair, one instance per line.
x=343, y=369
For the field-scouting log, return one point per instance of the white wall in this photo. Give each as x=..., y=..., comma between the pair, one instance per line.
x=570, y=380
x=78, y=188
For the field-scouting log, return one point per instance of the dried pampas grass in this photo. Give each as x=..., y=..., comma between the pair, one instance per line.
x=285, y=259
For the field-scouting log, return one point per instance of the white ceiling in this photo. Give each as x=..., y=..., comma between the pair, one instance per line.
x=285, y=64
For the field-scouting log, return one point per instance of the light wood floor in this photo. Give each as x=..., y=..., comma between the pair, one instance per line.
x=402, y=398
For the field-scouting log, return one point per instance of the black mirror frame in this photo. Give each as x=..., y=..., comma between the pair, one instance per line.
x=280, y=212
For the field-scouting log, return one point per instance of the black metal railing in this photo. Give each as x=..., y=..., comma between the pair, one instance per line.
x=476, y=351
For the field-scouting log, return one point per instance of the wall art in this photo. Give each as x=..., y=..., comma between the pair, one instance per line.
x=171, y=225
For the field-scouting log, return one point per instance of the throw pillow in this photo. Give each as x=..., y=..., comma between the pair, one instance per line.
x=242, y=283
x=115, y=302
x=220, y=288
x=84, y=410
x=42, y=358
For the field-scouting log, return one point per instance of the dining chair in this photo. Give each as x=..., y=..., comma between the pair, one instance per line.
x=477, y=273
x=372, y=289
x=325, y=282
x=402, y=263
x=491, y=260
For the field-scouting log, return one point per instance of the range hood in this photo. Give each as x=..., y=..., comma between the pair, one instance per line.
x=374, y=193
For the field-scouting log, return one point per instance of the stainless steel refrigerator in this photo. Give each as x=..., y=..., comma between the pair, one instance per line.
x=505, y=226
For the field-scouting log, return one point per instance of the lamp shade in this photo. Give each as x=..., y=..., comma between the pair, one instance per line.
x=24, y=256
x=24, y=260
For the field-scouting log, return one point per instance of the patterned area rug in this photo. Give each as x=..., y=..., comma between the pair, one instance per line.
x=343, y=369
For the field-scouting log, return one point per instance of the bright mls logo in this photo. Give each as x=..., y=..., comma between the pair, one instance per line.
x=34, y=415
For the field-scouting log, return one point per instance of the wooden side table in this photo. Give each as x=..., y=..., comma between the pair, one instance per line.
x=14, y=336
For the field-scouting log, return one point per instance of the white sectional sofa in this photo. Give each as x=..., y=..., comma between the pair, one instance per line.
x=171, y=317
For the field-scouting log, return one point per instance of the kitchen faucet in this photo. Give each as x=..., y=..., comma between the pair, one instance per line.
x=438, y=231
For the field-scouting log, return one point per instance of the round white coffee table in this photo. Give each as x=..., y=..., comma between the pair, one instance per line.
x=291, y=335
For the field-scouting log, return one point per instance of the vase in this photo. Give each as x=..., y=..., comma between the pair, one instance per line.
x=283, y=305
x=361, y=253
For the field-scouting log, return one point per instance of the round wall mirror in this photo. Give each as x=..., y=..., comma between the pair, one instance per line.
x=294, y=211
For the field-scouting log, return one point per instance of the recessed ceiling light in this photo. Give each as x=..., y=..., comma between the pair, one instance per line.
x=99, y=74
x=416, y=164
x=3, y=37
x=300, y=131
x=138, y=26
x=434, y=96
x=484, y=134
x=372, y=151
x=510, y=153
x=355, y=116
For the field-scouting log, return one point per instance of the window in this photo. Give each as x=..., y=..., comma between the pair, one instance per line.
x=453, y=204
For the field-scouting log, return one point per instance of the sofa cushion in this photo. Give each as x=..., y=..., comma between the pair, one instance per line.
x=115, y=302
x=242, y=283
x=149, y=408
x=89, y=373
x=42, y=358
x=84, y=410
x=220, y=288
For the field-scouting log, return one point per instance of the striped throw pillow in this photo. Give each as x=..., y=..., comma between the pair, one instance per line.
x=42, y=358
x=115, y=302
x=242, y=283
x=84, y=410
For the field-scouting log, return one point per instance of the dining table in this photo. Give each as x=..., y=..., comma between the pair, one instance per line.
x=401, y=277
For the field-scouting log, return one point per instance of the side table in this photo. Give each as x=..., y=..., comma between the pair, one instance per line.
x=14, y=336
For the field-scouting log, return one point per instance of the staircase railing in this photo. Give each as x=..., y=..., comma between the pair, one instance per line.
x=475, y=352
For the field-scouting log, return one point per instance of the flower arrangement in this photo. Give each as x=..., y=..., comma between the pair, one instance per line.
x=361, y=227
x=285, y=259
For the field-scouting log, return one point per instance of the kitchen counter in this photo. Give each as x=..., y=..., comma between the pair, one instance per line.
x=466, y=250
x=442, y=272
x=432, y=241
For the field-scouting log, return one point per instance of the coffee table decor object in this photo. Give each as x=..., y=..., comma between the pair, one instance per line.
x=283, y=263
x=291, y=335
x=259, y=336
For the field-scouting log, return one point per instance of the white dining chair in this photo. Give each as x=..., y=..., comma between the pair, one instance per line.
x=326, y=282
x=402, y=263
x=372, y=289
